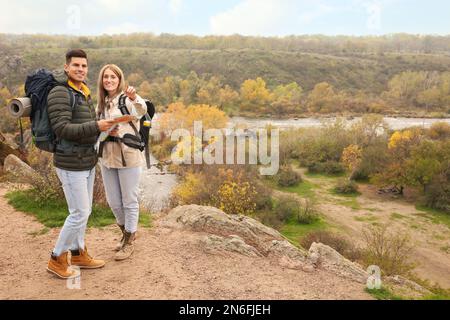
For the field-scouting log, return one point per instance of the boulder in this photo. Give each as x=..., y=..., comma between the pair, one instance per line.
x=18, y=169
x=7, y=147
x=405, y=287
x=236, y=233
x=232, y=243
x=327, y=258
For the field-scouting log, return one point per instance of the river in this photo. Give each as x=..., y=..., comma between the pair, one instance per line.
x=393, y=123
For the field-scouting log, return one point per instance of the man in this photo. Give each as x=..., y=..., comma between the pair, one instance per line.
x=74, y=122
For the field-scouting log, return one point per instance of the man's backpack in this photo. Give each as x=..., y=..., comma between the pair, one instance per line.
x=142, y=137
x=37, y=87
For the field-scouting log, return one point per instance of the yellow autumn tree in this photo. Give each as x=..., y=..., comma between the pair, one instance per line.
x=323, y=98
x=255, y=96
x=235, y=195
x=396, y=172
x=228, y=98
x=351, y=158
x=180, y=116
x=190, y=190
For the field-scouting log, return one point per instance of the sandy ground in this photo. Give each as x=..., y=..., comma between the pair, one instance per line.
x=165, y=265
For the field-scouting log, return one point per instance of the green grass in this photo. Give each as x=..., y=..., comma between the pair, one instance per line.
x=383, y=294
x=346, y=195
x=436, y=216
x=395, y=215
x=437, y=297
x=294, y=231
x=351, y=203
x=53, y=214
x=39, y=232
x=386, y=294
x=324, y=175
x=303, y=189
x=439, y=237
x=366, y=218
x=347, y=200
x=446, y=249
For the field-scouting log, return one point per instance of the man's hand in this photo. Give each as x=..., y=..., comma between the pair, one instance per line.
x=131, y=93
x=104, y=125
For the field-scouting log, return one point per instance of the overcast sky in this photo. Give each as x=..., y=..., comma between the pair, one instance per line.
x=223, y=17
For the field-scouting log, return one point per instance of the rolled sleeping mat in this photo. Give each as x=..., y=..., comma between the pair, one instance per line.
x=20, y=107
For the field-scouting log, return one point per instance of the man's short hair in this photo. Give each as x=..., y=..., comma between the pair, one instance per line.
x=75, y=53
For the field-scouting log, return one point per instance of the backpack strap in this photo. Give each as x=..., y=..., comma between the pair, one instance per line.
x=147, y=156
x=21, y=144
x=123, y=108
x=72, y=102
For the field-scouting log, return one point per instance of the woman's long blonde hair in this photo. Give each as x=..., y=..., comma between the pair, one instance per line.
x=101, y=92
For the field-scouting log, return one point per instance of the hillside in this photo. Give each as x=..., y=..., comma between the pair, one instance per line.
x=349, y=68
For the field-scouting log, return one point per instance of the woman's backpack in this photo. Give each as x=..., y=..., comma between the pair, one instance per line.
x=142, y=137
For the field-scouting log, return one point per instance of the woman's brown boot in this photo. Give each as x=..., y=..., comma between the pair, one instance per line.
x=127, y=248
x=120, y=244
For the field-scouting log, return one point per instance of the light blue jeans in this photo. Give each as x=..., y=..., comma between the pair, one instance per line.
x=122, y=192
x=78, y=188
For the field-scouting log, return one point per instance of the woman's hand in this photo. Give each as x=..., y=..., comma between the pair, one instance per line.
x=114, y=132
x=131, y=93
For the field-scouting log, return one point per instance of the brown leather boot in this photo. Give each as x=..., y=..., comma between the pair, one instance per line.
x=82, y=259
x=60, y=267
x=120, y=244
x=127, y=248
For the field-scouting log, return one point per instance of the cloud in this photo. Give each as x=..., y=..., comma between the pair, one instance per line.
x=268, y=17
x=175, y=6
x=310, y=16
x=250, y=17
x=81, y=17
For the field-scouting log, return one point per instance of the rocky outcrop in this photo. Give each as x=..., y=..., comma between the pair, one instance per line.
x=17, y=169
x=405, y=287
x=246, y=236
x=327, y=258
x=232, y=243
x=237, y=234
x=7, y=147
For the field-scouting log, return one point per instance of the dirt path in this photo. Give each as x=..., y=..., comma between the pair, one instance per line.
x=166, y=265
x=431, y=240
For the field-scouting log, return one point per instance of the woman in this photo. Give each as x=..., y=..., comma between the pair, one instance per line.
x=121, y=165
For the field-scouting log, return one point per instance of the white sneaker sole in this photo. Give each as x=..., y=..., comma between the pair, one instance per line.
x=62, y=277
x=88, y=267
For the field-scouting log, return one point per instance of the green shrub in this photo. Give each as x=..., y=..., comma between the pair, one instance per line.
x=287, y=208
x=345, y=186
x=269, y=219
x=437, y=194
x=287, y=177
x=388, y=250
x=263, y=197
x=307, y=213
x=330, y=167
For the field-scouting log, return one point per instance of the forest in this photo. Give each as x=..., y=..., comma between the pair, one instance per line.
x=293, y=76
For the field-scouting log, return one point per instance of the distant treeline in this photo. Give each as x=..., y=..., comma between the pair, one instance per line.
x=305, y=43
x=296, y=75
